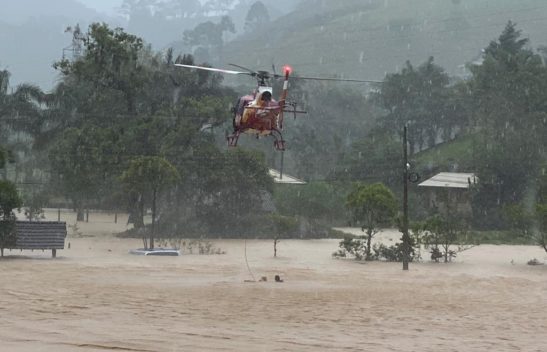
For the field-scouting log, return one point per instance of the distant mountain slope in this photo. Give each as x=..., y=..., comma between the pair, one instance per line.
x=367, y=39
x=32, y=37
x=32, y=31
x=19, y=11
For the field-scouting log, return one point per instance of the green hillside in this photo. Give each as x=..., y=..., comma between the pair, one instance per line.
x=366, y=39
x=456, y=155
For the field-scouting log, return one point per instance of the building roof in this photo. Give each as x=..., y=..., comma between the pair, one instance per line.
x=450, y=180
x=285, y=178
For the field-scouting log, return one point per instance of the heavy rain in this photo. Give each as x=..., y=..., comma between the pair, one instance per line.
x=297, y=175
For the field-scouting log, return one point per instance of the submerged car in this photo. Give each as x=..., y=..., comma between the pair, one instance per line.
x=156, y=251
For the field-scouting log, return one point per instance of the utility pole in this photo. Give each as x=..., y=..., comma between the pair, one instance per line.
x=406, y=237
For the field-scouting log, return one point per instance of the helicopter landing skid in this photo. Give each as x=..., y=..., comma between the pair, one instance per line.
x=279, y=143
x=232, y=139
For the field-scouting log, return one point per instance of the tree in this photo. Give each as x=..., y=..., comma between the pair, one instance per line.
x=148, y=177
x=448, y=227
x=436, y=235
x=541, y=235
x=373, y=159
x=283, y=226
x=20, y=115
x=4, y=83
x=209, y=37
x=510, y=111
x=103, y=134
x=20, y=108
x=83, y=162
x=227, y=189
x=371, y=206
x=530, y=223
x=418, y=97
x=341, y=116
x=9, y=200
x=3, y=157
x=111, y=62
x=257, y=15
x=352, y=246
x=35, y=202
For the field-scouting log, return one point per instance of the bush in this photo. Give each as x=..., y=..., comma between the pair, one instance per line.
x=351, y=246
x=356, y=248
x=8, y=236
x=392, y=253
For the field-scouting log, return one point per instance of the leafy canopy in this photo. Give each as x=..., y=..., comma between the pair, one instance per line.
x=372, y=205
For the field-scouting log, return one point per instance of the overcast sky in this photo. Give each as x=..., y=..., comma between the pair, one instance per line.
x=107, y=6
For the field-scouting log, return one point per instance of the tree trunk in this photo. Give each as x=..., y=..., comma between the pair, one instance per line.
x=144, y=242
x=138, y=214
x=154, y=193
x=78, y=206
x=369, y=242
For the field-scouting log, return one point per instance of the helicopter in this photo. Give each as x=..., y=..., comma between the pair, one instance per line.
x=259, y=114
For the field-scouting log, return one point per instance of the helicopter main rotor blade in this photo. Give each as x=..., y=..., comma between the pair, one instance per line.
x=336, y=79
x=215, y=69
x=249, y=71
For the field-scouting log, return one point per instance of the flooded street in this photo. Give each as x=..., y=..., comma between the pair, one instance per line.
x=95, y=297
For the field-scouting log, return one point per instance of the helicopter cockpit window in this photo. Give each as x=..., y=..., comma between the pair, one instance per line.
x=266, y=96
x=262, y=89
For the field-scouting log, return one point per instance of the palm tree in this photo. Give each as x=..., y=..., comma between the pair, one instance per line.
x=20, y=115
x=21, y=108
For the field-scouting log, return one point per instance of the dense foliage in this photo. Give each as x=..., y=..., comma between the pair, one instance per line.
x=9, y=200
x=127, y=130
x=371, y=207
x=121, y=104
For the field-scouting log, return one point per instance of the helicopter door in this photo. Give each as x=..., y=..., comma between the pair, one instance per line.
x=242, y=102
